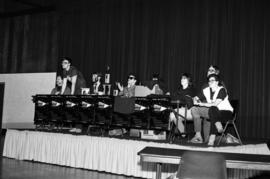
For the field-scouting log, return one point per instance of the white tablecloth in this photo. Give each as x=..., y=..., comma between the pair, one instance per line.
x=112, y=155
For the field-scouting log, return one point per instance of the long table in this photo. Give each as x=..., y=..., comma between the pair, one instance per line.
x=173, y=156
x=151, y=112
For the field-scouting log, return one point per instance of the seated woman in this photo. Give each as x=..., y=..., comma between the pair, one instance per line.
x=129, y=90
x=184, y=92
x=217, y=108
x=58, y=87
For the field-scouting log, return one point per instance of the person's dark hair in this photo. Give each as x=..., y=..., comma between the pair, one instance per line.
x=155, y=75
x=99, y=74
x=66, y=58
x=132, y=74
x=188, y=76
x=135, y=77
x=59, y=76
x=216, y=68
x=217, y=78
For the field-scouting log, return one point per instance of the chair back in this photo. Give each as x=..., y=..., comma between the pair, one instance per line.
x=202, y=165
x=235, y=105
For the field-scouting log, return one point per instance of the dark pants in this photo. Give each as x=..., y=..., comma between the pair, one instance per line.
x=216, y=115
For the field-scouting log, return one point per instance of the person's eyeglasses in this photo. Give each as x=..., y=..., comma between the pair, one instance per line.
x=210, y=81
x=184, y=78
x=64, y=62
x=212, y=70
x=131, y=78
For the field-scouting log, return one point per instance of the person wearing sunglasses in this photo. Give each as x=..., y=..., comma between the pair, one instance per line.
x=215, y=108
x=129, y=90
x=73, y=76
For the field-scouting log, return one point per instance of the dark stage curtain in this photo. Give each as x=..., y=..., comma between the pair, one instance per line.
x=29, y=43
x=147, y=36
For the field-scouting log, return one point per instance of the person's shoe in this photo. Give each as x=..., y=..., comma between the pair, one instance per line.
x=183, y=135
x=124, y=130
x=196, y=140
x=78, y=130
x=73, y=130
x=112, y=132
x=219, y=127
x=211, y=140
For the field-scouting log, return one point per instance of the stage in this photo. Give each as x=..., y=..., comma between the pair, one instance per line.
x=113, y=155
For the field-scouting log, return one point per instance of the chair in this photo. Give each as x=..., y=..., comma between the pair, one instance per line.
x=202, y=165
x=235, y=105
x=173, y=130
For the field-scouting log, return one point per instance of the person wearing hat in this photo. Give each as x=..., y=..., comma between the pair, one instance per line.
x=157, y=85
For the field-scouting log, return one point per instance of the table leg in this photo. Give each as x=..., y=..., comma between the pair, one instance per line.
x=185, y=129
x=158, y=172
x=177, y=116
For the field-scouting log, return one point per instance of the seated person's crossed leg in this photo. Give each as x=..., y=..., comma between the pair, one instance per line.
x=183, y=114
x=200, y=113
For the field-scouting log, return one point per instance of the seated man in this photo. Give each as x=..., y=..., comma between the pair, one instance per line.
x=216, y=107
x=124, y=105
x=58, y=87
x=129, y=90
x=185, y=91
